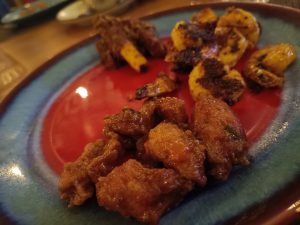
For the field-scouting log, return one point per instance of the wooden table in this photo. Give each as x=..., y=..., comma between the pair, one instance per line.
x=24, y=50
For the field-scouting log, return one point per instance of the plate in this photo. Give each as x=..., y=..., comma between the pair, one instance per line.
x=32, y=11
x=28, y=190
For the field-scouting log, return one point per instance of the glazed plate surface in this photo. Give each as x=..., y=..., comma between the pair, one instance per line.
x=49, y=120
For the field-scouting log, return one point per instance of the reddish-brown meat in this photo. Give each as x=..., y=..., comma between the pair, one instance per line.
x=170, y=109
x=220, y=130
x=75, y=186
x=128, y=122
x=178, y=150
x=111, y=157
x=143, y=193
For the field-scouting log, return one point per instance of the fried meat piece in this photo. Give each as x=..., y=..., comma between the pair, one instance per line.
x=128, y=123
x=143, y=193
x=179, y=150
x=112, y=156
x=161, y=85
x=220, y=130
x=75, y=186
x=170, y=109
x=126, y=40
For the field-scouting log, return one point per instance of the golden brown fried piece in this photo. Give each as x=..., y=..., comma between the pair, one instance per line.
x=142, y=193
x=169, y=109
x=161, y=85
x=179, y=150
x=75, y=186
x=112, y=156
x=220, y=130
x=128, y=122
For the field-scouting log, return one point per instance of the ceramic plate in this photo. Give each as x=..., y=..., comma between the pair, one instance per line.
x=50, y=119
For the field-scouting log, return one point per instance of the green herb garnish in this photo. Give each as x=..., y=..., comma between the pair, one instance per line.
x=232, y=132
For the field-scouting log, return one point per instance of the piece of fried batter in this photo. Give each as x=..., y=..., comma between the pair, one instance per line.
x=75, y=186
x=128, y=122
x=161, y=85
x=139, y=192
x=112, y=156
x=165, y=109
x=220, y=130
x=177, y=149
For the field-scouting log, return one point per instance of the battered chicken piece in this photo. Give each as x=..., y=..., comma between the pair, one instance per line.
x=75, y=186
x=112, y=156
x=220, y=130
x=128, y=122
x=139, y=192
x=179, y=150
x=169, y=109
x=162, y=85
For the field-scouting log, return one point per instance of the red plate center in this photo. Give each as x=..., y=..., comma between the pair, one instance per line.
x=76, y=117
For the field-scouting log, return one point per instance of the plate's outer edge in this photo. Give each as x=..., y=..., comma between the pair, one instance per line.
x=279, y=143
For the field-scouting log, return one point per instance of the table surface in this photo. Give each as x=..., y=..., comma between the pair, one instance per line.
x=24, y=50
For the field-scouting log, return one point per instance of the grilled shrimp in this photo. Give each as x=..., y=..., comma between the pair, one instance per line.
x=211, y=76
x=243, y=21
x=205, y=16
x=266, y=66
x=232, y=46
x=186, y=35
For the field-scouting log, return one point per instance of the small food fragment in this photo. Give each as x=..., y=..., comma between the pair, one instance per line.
x=205, y=16
x=139, y=192
x=177, y=149
x=75, y=186
x=212, y=76
x=266, y=66
x=126, y=40
x=111, y=157
x=243, y=21
x=128, y=123
x=232, y=45
x=162, y=85
x=220, y=130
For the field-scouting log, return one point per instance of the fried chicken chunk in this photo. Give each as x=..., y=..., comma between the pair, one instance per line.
x=142, y=193
x=75, y=186
x=128, y=122
x=179, y=150
x=169, y=109
x=220, y=130
x=161, y=85
x=111, y=157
